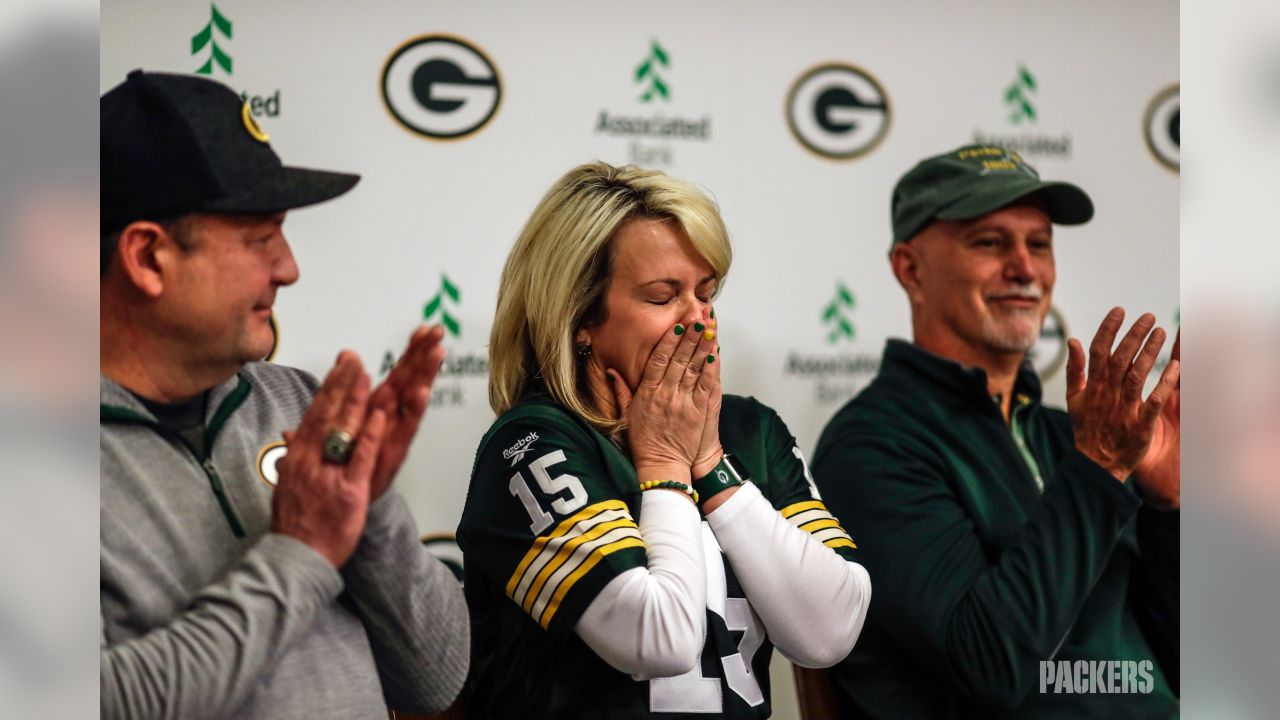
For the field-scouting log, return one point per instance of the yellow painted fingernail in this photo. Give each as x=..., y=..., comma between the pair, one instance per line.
x=709, y=334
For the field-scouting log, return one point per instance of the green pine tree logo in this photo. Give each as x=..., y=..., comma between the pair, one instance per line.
x=1018, y=97
x=206, y=38
x=835, y=315
x=647, y=74
x=439, y=306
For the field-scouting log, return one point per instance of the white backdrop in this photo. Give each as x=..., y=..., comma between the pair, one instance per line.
x=805, y=227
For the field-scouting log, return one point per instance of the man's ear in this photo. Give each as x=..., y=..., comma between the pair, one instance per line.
x=904, y=258
x=144, y=250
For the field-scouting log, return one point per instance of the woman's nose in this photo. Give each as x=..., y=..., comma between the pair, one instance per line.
x=699, y=311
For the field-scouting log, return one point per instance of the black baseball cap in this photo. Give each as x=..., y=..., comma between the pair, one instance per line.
x=177, y=144
x=973, y=180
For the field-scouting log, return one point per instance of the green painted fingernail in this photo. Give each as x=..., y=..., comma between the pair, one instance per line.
x=679, y=329
x=697, y=327
x=711, y=359
x=713, y=314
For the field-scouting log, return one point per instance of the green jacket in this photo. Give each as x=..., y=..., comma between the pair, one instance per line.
x=979, y=573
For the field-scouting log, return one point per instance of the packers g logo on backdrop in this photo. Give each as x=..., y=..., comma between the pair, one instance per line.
x=1049, y=353
x=838, y=111
x=275, y=338
x=441, y=87
x=1162, y=127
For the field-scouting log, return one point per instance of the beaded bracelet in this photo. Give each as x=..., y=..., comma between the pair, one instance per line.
x=670, y=485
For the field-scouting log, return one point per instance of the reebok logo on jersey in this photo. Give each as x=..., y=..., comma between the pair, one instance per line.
x=516, y=452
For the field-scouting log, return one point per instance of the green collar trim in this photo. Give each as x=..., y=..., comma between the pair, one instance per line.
x=114, y=413
x=229, y=404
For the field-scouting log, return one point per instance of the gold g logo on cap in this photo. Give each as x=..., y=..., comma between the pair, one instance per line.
x=252, y=125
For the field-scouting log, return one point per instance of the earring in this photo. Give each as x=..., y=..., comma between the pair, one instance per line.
x=583, y=349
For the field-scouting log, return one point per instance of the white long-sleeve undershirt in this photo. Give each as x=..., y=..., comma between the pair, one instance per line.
x=811, y=600
x=650, y=622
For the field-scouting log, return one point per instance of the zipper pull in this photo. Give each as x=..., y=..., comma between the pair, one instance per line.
x=220, y=493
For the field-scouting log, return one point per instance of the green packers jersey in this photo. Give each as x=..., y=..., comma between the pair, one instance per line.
x=551, y=517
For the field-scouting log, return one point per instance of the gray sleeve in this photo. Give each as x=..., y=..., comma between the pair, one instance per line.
x=412, y=608
x=209, y=660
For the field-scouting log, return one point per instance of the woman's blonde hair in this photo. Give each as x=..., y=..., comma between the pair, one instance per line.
x=555, y=278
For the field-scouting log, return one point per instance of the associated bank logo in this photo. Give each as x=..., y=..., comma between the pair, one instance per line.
x=437, y=308
x=835, y=374
x=835, y=315
x=460, y=369
x=1049, y=353
x=648, y=74
x=652, y=134
x=1162, y=126
x=441, y=87
x=838, y=111
x=1018, y=97
x=207, y=38
x=1021, y=107
x=210, y=45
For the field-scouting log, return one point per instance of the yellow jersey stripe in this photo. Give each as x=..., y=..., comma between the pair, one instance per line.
x=564, y=527
x=581, y=555
x=548, y=549
x=790, y=510
x=813, y=518
x=564, y=551
x=549, y=552
x=583, y=569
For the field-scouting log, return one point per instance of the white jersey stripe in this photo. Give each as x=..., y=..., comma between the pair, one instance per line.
x=553, y=546
x=580, y=554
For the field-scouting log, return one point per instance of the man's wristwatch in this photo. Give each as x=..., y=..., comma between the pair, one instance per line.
x=730, y=472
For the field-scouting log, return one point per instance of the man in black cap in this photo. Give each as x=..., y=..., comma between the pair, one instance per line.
x=243, y=575
x=1025, y=559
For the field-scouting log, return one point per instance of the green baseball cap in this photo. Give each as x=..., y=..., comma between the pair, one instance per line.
x=973, y=180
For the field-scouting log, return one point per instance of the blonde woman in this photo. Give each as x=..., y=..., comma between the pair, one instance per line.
x=636, y=542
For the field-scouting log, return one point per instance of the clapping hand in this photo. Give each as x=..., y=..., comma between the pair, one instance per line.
x=403, y=398
x=1159, y=472
x=1112, y=424
x=323, y=494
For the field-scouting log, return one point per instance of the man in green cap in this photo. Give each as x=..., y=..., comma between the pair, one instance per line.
x=1025, y=559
